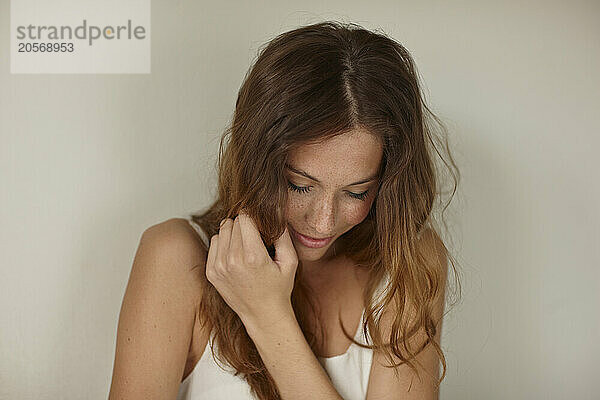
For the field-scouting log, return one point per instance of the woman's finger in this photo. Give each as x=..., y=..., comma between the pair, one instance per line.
x=254, y=248
x=285, y=253
x=236, y=245
x=213, y=249
x=224, y=240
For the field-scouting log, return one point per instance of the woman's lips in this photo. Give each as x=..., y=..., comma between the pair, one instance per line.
x=311, y=242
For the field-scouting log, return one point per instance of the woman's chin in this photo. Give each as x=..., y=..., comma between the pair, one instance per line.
x=308, y=254
x=309, y=257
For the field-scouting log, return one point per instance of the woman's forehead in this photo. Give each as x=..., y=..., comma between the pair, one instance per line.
x=353, y=153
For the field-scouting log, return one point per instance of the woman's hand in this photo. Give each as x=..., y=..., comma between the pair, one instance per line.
x=256, y=287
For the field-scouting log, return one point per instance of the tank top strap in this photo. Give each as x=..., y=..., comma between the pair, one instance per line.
x=383, y=283
x=200, y=232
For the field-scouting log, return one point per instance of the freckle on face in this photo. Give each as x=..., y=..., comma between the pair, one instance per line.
x=327, y=208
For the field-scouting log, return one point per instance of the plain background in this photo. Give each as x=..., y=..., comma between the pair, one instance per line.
x=88, y=162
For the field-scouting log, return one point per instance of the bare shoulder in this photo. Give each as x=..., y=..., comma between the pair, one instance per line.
x=158, y=310
x=176, y=232
x=434, y=250
x=175, y=245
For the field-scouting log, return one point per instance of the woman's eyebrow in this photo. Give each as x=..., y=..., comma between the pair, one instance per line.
x=303, y=173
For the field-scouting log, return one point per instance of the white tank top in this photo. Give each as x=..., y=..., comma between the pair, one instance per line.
x=349, y=372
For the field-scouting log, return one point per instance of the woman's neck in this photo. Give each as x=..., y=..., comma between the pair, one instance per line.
x=320, y=274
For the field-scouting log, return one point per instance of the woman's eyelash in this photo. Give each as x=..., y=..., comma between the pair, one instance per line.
x=299, y=189
x=304, y=189
x=360, y=196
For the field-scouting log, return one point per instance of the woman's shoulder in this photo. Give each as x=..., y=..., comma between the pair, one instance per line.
x=164, y=288
x=177, y=232
x=434, y=250
x=176, y=244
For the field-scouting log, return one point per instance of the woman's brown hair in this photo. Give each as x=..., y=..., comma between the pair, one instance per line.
x=308, y=85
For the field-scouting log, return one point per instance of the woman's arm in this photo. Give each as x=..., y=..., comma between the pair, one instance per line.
x=259, y=289
x=157, y=314
x=402, y=383
x=288, y=357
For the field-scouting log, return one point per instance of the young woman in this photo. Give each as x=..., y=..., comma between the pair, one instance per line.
x=317, y=273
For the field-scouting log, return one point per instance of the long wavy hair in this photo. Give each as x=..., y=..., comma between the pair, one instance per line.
x=307, y=85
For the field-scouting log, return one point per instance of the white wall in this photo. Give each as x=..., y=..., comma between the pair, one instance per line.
x=87, y=162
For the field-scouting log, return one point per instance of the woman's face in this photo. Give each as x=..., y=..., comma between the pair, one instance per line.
x=332, y=186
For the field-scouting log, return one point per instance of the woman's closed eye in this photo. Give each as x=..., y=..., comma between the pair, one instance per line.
x=305, y=189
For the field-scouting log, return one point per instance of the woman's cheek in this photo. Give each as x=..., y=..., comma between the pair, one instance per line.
x=358, y=213
x=294, y=208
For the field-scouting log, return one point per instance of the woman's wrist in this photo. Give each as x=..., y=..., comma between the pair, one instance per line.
x=269, y=320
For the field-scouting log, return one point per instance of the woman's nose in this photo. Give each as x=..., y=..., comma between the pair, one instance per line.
x=322, y=218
